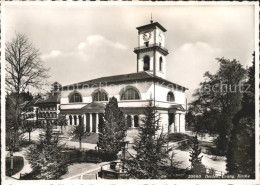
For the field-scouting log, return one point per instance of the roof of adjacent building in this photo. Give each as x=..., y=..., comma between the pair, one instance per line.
x=50, y=99
x=28, y=104
x=131, y=77
x=152, y=25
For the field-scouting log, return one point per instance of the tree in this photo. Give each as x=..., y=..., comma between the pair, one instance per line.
x=218, y=99
x=23, y=69
x=152, y=156
x=195, y=158
x=28, y=126
x=112, y=128
x=45, y=157
x=61, y=121
x=79, y=133
x=241, y=151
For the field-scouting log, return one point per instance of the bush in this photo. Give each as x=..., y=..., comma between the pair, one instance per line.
x=101, y=155
x=29, y=176
x=18, y=165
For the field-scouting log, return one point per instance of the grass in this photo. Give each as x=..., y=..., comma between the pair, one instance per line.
x=18, y=165
x=91, y=138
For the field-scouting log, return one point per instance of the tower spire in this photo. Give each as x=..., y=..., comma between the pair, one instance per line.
x=151, y=18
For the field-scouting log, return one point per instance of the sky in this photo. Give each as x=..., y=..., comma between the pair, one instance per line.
x=79, y=43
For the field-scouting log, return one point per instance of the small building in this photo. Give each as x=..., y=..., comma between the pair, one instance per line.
x=83, y=102
x=48, y=109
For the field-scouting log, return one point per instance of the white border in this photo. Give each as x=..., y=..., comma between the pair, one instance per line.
x=130, y=182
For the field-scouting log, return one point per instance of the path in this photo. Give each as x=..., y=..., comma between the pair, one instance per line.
x=83, y=171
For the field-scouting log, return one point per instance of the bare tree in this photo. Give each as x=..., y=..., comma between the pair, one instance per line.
x=24, y=69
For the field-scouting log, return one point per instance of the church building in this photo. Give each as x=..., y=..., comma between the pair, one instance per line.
x=83, y=102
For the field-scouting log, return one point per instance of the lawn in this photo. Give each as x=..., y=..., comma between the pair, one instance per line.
x=18, y=165
x=91, y=138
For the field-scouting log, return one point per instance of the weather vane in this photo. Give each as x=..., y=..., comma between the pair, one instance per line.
x=151, y=18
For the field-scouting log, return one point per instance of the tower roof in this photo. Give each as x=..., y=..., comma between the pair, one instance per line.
x=152, y=25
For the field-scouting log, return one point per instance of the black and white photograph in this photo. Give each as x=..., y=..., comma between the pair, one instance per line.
x=130, y=91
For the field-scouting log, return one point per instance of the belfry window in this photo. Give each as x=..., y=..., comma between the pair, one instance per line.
x=130, y=94
x=170, y=96
x=100, y=96
x=76, y=97
x=160, y=64
x=146, y=63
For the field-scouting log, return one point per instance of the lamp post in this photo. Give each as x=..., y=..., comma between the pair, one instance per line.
x=124, y=145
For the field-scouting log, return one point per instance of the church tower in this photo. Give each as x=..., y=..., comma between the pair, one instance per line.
x=151, y=53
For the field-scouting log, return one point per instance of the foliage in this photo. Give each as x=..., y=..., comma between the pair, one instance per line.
x=79, y=133
x=195, y=158
x=150, y=147
x=217, y=101
x=61, y=121
x=101, y=155
x=45, y=157
x=112, y=128
x=18, y=165
x=28, y=126
x=241, y=151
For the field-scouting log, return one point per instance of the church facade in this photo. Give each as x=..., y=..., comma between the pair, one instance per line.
x=84, y=102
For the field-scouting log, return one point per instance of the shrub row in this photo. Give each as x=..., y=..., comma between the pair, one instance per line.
x=89, y=156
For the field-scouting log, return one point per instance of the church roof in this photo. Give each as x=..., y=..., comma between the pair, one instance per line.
x=152, y=25
x=118, y=79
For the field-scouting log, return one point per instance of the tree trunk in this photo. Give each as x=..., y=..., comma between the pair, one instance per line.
x=79, y=144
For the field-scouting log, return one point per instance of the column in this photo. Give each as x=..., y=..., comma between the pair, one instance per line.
x=72, y=120
x=84, y=121
x=133, y=123
x=176, y=121
x=90, y=122
x=183, y=123
x=179, y=122
x=97, y=122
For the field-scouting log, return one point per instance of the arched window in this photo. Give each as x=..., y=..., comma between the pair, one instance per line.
x=170, y=96
x=100, y=96
x=75, y=97
x=161, y=64
x=146, y=63
x=130, y=94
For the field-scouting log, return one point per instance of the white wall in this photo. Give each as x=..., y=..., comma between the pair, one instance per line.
x=145, y=89
x=161, y=92
x=159, y=73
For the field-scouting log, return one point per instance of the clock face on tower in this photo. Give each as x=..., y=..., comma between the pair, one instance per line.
x=147, y=36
